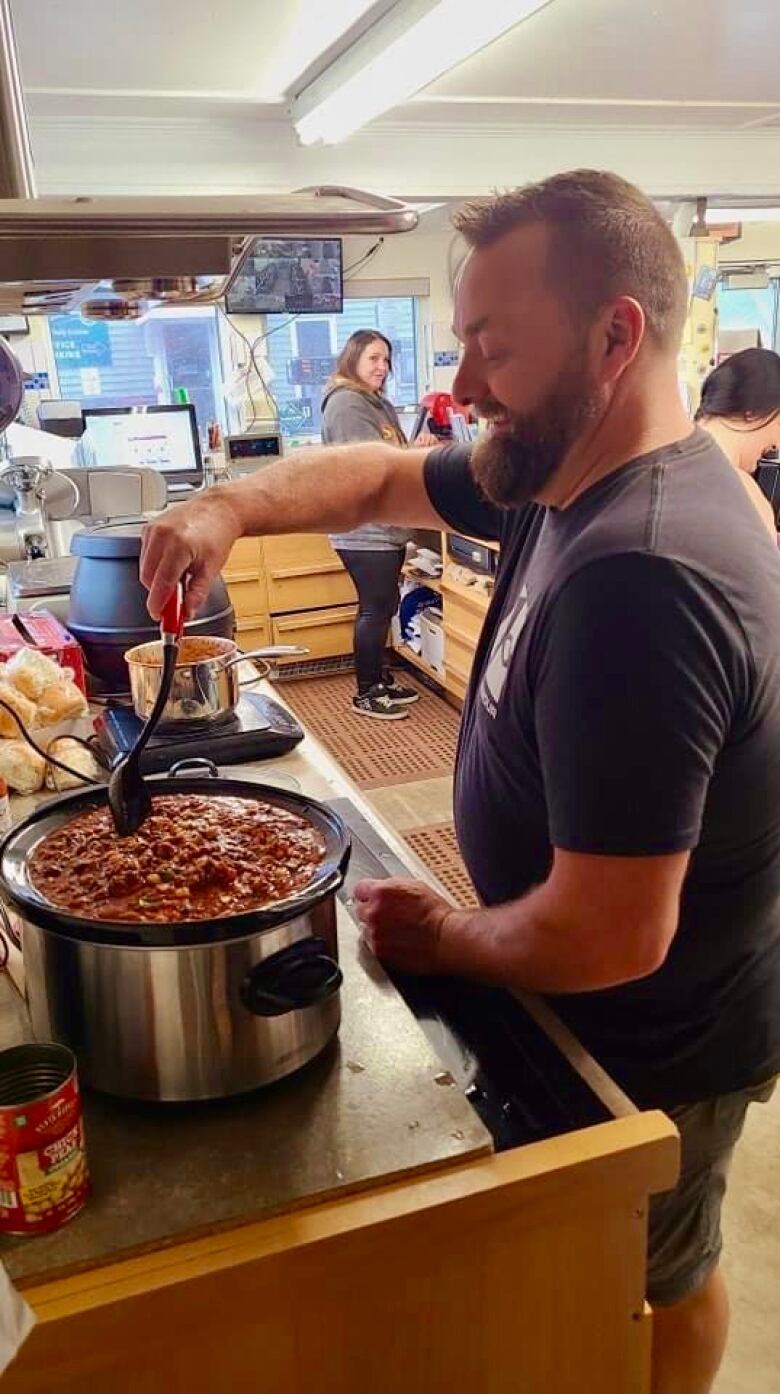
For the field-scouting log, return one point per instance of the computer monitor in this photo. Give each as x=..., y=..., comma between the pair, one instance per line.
x=164, y=438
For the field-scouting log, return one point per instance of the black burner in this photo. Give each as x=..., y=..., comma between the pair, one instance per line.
x=182, y=729
x=259, y=729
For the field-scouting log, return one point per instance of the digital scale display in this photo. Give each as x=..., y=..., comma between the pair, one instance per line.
x=253, y=447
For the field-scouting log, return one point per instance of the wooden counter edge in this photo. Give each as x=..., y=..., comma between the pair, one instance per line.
x=531, y=1175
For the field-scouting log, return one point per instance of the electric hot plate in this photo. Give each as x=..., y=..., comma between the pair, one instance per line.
x=259, y=729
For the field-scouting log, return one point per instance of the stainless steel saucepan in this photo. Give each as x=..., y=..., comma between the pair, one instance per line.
x=206, y=684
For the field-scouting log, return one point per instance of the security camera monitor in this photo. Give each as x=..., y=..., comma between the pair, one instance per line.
x=289, y=276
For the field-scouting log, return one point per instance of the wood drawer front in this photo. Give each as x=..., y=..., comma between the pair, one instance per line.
x=244, y=559
x=303, y=573
x=298, y=549
x=325, y=633
x=308, y=589
x=456, y=687
x=458, y=654
x=248, y=599
x=253, y=633
x=462, y=617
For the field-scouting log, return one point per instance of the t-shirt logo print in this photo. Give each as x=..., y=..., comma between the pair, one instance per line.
x=501, y=654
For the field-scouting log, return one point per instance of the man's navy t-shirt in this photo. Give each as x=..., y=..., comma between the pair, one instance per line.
x=625, y=700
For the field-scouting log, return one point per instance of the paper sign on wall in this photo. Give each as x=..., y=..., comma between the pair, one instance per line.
x=90, y=382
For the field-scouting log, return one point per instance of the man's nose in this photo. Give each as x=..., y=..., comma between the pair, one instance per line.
x=466, y=386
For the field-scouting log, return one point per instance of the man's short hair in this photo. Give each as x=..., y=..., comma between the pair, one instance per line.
x=607, y=239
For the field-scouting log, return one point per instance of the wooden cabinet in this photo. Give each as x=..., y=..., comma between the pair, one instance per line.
x=291, y=590
x=254, y=633
x=302, y=572
x=294, y=590
x=517, y=1272
x=463, y=609
x=244, y=560
x=248, y=598
x=246, y=587
x=323, y=632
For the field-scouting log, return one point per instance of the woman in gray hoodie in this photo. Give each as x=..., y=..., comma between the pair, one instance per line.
x=354, y=408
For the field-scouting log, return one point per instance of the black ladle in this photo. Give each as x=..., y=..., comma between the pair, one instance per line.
x=128, y=793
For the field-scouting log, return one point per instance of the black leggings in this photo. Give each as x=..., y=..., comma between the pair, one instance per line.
x=375, y=575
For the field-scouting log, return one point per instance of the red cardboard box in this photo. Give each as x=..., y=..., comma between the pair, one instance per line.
x=42, y=631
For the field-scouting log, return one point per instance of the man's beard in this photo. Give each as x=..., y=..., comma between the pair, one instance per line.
x=512, y=468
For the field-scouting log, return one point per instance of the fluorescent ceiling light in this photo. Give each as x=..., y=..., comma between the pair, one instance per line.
x=416, y=43
x=310, y=29
x=716, y=217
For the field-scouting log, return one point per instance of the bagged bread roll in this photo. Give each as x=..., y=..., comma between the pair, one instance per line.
x=61, y=701
x=72, y=753
x=21, y=705
x=22, y=768
x=31, y=671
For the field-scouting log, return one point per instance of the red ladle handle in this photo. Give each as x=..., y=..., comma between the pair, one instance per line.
x=172, y=618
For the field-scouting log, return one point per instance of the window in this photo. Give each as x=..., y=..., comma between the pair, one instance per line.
x=302, y=353
x=140, y=363
x=750, y=309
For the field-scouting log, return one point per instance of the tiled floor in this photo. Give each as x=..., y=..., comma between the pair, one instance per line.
x=414, y=805
x=752, y=1257
x=377, y=754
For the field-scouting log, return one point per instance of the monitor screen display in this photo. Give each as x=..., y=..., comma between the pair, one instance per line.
x=163, y=438
x=289, y=276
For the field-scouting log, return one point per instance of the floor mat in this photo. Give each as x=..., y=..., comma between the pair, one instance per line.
x=436, y=845
x=377, y=753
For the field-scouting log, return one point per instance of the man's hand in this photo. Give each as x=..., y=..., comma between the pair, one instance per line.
x=404, y=923
x=596, y=921
x=191, y=540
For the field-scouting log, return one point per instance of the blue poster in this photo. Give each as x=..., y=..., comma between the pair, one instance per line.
x=78, y=344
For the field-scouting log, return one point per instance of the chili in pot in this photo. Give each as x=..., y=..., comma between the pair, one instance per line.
x=196, y=857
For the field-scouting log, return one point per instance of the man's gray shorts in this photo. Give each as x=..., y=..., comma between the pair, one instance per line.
x=685, y=1241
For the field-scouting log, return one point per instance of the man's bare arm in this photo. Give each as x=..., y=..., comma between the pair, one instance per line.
x=331, y=489
x=596, y=922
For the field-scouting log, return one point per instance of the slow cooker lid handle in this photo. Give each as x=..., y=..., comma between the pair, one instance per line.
x=302, y=975
x=195, y=765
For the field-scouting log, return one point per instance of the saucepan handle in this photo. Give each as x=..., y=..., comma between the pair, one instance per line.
x=268, y=651
x=172, y=619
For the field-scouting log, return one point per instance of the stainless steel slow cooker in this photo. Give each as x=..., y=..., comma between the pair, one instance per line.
x=189, y=1010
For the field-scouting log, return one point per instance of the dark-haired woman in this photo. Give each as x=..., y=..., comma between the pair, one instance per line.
x=740, y=407
x=355, y=408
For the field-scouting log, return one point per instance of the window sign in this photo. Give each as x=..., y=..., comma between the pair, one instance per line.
x=79, y=344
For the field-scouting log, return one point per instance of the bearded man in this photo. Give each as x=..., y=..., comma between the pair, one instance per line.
x=617, y=789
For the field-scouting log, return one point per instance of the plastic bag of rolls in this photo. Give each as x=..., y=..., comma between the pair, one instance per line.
x=43, y=695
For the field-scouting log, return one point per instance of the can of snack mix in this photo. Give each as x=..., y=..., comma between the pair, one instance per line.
x=44, y=1180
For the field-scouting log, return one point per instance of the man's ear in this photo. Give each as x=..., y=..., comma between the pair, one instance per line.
x=621, y=332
